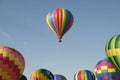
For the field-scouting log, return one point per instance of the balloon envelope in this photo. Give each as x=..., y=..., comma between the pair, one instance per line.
x=11, y=63
x=42, y=74
x=112, y=49
x=59, y=77
x=105, y=70
x=84, y=75
x=59, y=21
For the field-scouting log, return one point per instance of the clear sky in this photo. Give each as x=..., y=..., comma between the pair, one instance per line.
x=23, y=27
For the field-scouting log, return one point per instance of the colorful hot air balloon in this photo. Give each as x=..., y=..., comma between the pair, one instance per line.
x=42, y=74
x=59, y=21
x=23, y=77
x=12, y=63
x=84, y=75
x=59, y=77
x=113, y=50
x=105, y=70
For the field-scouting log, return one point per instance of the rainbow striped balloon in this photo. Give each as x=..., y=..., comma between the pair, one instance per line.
x=59, y=77
x=84, y=75
x=42, y=74
x=11, y=63
x=59, y=21
x=113, y=50
x=105, y=70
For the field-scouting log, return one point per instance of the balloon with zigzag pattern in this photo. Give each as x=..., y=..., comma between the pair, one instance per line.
x=12, y=63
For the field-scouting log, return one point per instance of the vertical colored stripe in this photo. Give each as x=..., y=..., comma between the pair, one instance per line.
x=60, y=20
x=68, y=23
x=56, y=20
x=117, y=42
x=63, y=20
x=114, y=42
x=50, y=23
x=106, y=46
x=111, y=44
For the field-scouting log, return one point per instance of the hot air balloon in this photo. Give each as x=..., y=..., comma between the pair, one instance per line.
x=112, y=49
x=59, y=77
x=12, y=63
x=105, y=70
x=23, y=77
x=84, y=75
x=59, y=21
x=42, y=74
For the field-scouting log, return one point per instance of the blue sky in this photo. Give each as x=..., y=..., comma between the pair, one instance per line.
x=23, y=27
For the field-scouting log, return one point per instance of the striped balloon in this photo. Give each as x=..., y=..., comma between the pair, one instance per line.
x=42, y=74
x=105, y=70
x=113, y=50
x=59, y=21
x=84, y=75
x=11, y=63
x=59, y=77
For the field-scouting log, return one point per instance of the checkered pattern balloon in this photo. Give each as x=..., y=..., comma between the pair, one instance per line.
x=105, y=70
x=11, y=63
